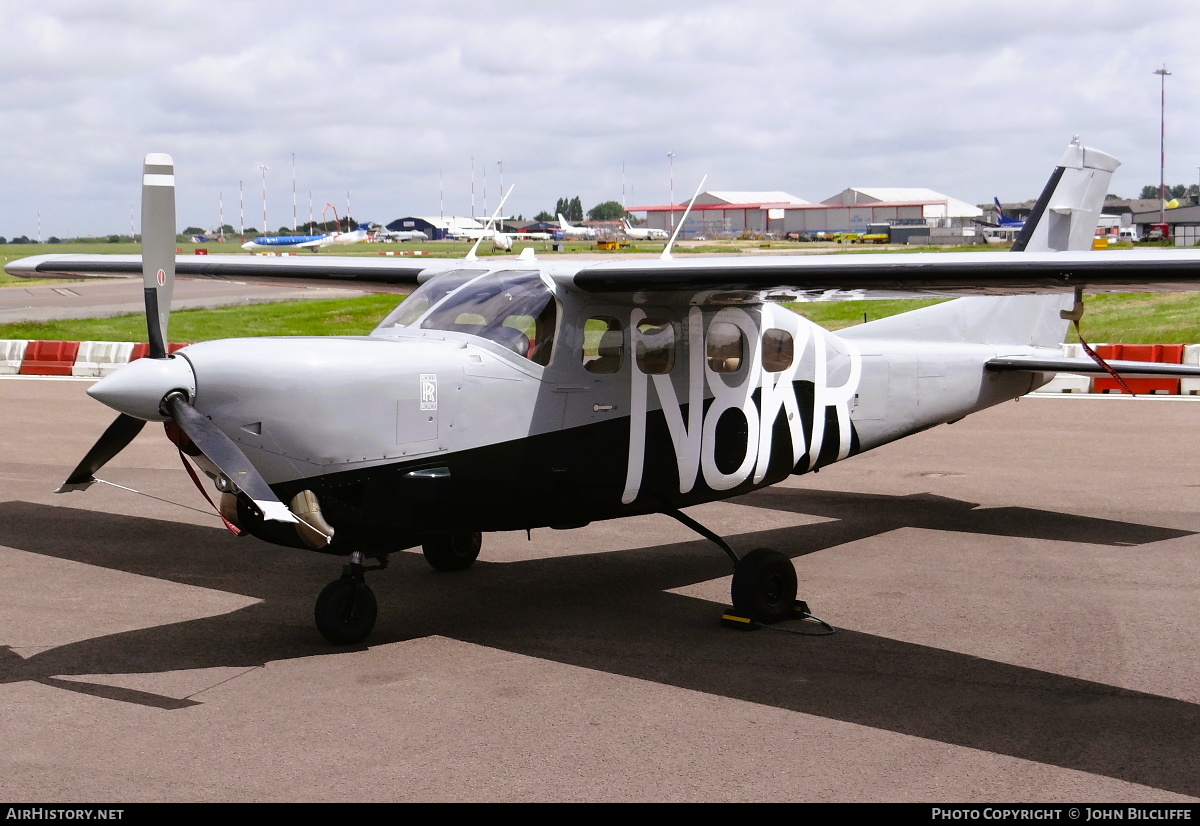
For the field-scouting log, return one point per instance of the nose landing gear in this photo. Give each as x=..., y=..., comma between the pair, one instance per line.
x=346, y=608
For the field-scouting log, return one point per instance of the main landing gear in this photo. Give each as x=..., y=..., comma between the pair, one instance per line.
x=346, y=609
x=452, y=552
x=764, y=584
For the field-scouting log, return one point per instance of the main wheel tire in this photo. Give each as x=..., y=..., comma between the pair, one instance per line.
x=452, y=552
x=764, y=586
x=346, y=611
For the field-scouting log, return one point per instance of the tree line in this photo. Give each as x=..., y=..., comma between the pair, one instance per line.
x=572, y=210
x=1176, y=191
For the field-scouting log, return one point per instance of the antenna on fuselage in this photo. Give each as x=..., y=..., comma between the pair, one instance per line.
x=666, y=253
x=471, y=255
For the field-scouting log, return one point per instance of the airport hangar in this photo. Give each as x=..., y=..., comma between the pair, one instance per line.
x=777, y=213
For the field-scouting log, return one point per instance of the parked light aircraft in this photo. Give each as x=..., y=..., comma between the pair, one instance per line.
x=645, y=233
x=577, y=232
x=515, y=394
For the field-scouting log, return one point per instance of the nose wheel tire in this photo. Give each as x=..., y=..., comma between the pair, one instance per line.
x=764, y=586
x=346, y=611
x=452, y=552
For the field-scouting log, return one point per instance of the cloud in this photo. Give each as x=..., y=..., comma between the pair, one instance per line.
x=393, y=101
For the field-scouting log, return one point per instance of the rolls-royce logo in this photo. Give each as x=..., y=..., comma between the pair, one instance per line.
x=429, y=391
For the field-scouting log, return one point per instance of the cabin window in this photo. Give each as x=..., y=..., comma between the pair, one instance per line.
x=778, y=350
x=726, y=347
x=603, y=345
x=513, y=308
x=655, y=349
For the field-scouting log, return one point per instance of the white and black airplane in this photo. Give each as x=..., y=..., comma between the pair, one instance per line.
x=516, y=394
x=573, y=231
x=644, y=233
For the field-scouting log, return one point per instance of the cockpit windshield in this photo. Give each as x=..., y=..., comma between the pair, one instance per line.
x=424, y=297
x=513, y=308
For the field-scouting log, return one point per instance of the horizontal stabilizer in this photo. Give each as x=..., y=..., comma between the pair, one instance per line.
x=1147, y=369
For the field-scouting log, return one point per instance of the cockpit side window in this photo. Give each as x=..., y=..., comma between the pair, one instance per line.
x=425, y=296
x=513, y=308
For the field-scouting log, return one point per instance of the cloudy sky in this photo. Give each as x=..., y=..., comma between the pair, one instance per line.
x=391, y=101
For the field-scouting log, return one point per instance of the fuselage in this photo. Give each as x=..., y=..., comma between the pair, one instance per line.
x=499, y=398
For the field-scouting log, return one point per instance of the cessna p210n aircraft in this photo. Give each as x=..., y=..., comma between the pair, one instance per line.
x=515, y=394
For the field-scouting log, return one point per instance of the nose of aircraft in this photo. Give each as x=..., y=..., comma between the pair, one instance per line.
x=138, y=388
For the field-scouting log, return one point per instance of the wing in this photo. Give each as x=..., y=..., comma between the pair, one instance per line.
x=783, y=277
x=396, y=276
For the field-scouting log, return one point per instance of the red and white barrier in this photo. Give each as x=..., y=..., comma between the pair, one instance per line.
x=12, y=353
x=84, y=359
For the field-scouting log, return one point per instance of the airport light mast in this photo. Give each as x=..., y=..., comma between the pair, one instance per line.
x=671, y=161
x=1162, y=144
x=293, y=193
x=264, y=168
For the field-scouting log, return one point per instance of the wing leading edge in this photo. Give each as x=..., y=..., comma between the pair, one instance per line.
x=933, y=273
x=389, y=276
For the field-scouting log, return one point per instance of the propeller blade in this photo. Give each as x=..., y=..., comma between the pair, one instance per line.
x=158, y=247
x=228, y=457
x=119, y=434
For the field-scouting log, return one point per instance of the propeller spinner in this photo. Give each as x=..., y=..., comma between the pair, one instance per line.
x=162, y=387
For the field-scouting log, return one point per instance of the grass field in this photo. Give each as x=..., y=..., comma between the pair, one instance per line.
x=1172, y=318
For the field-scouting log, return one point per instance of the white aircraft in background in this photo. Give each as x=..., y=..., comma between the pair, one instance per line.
x=385, y=234
x=578, y=232
x=355, y=237
x=645, y=233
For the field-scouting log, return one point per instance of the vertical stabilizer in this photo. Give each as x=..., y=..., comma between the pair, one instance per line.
x=1068, y=210
x=1064, y=218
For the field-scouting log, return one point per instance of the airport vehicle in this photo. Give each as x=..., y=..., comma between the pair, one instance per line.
x=573, y=231
x=645, y=233
x=876, y=234
x=515, y=394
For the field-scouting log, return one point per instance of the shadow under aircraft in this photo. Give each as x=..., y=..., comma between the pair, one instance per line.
x=612, y=612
